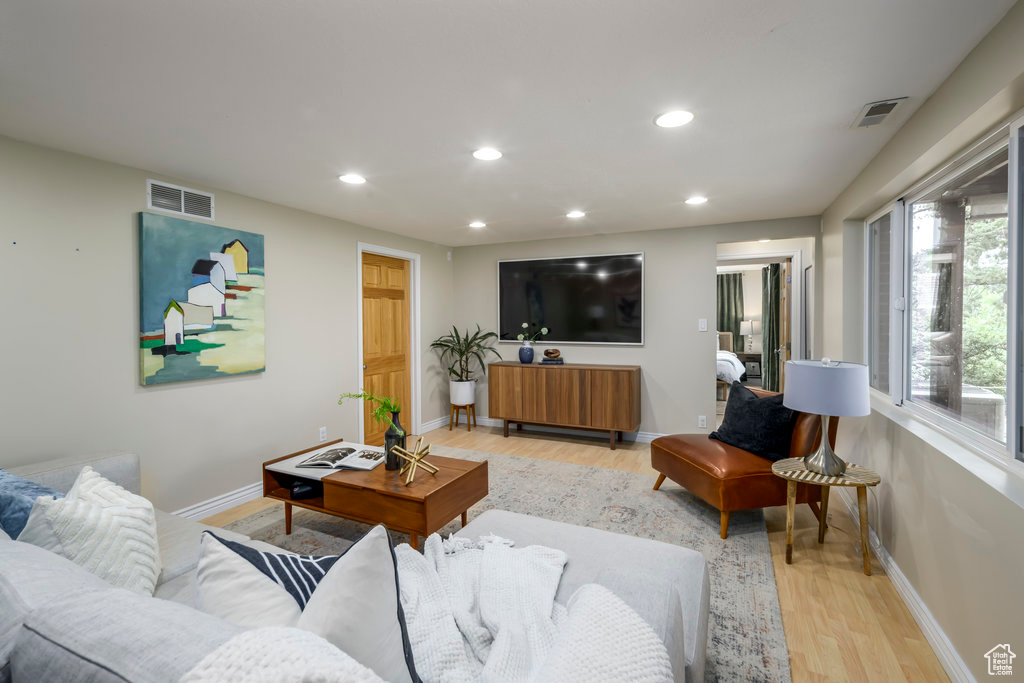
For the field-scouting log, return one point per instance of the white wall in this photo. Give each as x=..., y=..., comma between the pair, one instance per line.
x=678, y=381
x=69, y=346
x=949, y=526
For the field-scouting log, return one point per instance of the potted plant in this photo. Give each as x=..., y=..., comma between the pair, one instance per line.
x=526, y=350
x=385, y=410
x=461, y=350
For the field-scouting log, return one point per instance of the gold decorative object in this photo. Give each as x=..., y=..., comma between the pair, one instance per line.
x=414, y=459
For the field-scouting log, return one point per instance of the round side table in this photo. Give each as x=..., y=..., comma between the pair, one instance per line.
x=794, y=472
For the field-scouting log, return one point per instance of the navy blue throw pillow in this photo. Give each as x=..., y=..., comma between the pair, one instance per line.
x=17, y=495
x=760, y=425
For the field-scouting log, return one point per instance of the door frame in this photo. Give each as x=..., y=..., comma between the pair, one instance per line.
x=414, y=328
x=798, y=323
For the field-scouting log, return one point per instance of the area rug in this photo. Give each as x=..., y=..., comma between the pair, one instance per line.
x=745, y=637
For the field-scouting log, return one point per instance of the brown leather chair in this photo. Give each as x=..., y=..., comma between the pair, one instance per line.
x=730, y=478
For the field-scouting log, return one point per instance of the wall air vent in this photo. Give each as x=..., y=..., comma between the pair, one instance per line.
x=875, y=113
x=176, y=199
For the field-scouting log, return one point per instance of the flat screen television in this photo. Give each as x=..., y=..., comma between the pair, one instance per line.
x=580, y=299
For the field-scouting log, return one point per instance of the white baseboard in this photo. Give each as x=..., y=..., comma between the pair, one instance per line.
x=223, y=502
x=950, y=659
x=433, y=424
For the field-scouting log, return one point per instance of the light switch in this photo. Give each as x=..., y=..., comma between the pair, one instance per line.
x=702, y=325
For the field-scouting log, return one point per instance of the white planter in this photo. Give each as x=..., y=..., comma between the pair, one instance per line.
x=462, y=393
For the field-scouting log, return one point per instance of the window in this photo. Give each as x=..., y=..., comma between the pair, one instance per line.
x=959, y=251
x=879, y=300
x=944, y=321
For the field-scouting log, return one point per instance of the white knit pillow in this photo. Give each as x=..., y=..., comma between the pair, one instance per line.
x=104, y=528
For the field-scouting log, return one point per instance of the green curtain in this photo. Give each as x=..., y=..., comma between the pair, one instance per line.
x=730, y=306
x=770, y=282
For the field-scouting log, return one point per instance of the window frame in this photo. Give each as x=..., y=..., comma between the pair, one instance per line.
x=1009, y=135
x=897, y=300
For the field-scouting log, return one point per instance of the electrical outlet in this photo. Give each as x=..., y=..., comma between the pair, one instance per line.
x=702, y=325
x=702, y=421
x=323, y=434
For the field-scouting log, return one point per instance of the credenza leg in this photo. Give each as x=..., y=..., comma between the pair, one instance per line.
x=414, y=541
x=465, y=518
x=619, y=436
x=287, y=518
x=505, y=429
x=611, y=439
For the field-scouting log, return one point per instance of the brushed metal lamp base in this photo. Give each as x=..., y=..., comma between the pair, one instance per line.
x=824, y=460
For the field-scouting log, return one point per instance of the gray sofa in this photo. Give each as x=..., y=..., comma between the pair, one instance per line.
x=60, y=623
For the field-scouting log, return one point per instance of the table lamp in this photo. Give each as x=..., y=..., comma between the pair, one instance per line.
x=747, y=331
x=826, y=387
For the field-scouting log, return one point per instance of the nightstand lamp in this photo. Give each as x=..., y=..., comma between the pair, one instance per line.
x=748, y=328
x=826, y=387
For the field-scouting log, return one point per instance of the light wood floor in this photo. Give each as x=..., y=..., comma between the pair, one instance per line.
x=840, y=624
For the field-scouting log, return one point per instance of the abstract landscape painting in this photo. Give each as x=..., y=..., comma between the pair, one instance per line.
x=201, y=299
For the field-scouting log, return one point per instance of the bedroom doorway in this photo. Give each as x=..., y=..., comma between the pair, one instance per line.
x=761, y=317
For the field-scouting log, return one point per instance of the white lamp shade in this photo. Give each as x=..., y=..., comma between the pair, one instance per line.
x=832, y=388
x=746, y=327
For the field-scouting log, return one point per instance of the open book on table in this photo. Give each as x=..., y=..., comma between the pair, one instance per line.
x=344, y=458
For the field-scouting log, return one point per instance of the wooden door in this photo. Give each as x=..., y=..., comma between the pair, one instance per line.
x=556, y=396
x=785, y=319
x=386, y=343
x=505, y=392
x=613, y=399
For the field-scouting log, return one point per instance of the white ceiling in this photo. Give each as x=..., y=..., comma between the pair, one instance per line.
x=275, y=99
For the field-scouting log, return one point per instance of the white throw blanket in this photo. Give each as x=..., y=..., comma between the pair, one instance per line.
x=278, y=655
x=484, y=611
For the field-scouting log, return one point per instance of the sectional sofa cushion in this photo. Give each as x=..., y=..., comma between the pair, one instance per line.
x=665, y=584
x=60, y=473
x=17, y=495
x=351, y=600
x=30, y=577
x=103, y=527
x=112, y=634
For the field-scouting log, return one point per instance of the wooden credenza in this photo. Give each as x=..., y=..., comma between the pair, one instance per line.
x=600, y=397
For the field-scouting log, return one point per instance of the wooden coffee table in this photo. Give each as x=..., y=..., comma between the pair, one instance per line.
x=380, y=496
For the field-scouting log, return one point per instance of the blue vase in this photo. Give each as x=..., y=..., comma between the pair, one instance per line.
x=526, y=353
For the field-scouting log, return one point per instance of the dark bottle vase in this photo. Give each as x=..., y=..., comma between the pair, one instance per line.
x=526, y=353
x=393, y=437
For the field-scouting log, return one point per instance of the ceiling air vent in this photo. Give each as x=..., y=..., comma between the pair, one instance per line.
x=177, y=199
x=875, y=113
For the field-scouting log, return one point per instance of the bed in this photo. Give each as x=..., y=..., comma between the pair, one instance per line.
x=728, y=367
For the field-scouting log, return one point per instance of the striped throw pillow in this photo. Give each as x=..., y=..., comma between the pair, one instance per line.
x=297, y=574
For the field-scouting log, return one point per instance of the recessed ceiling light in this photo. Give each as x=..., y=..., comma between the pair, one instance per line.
x=575, y=213
x=478, y=224
x=674, y=119
x=581, y=264
x=487, y=154
x=696, y=199
x=764, y=240
x=352, y=179
x=601, y=274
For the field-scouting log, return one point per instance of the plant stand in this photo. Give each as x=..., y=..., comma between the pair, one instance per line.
x=470, y=416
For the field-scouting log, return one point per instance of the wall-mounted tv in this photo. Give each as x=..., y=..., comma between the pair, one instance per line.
x=580, y=299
